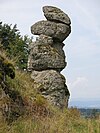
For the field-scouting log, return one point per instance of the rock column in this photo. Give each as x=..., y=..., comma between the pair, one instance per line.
x=47, y=58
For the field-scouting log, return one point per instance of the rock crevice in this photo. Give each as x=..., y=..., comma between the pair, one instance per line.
x=47, y=58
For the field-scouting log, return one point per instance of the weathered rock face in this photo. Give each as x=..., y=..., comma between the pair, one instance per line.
x=47, y=57
x=56, y=30
x=54, y=87
x=44, y=57
x=55, y=14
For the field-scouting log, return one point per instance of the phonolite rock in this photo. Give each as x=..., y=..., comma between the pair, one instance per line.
x=47, y=58
x=58, y=31
x=55, y=14
x=54, y=87
x=44, y=57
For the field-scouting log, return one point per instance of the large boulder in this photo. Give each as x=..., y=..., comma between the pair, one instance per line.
x=53, y=86
x=42, y=39
x=55, y=14
x=47, y=40
x=55, y=30
x=43, y=56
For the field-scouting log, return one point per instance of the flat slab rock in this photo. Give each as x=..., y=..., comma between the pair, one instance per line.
x=55, y=30
x=55, y=14
x=43, y=57
x=54, y=87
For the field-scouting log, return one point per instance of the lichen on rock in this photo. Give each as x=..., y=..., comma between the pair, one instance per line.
x=55, y=30
x=55, y=14
x=47, y=58
x=54, y=87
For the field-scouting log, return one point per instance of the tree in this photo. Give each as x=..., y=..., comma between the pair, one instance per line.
x=94, y=113
x=15, y=45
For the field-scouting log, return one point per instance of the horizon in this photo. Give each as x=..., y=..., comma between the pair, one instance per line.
x=85, y=103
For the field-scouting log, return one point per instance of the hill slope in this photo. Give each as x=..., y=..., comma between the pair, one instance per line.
x=23, y=110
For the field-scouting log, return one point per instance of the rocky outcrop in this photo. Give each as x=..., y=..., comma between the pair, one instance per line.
x=47, y=57
x=58, y=31
x=53, y=86
x=55, y=14
x=44, y=57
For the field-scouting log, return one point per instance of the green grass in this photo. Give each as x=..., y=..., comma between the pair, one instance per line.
x=38, y=116
x=59, y=122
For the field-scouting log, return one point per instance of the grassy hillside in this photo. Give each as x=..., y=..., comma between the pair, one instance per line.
x=26, y=111
x=22, y=107
x=65, y=121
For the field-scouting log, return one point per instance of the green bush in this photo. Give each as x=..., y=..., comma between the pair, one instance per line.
x=15, y=45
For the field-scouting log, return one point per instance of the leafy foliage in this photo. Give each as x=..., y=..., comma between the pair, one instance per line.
x=15, y=45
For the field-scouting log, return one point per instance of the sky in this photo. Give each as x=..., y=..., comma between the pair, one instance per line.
x=82, y=47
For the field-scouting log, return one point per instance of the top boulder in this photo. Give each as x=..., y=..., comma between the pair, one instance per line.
x=55, y=14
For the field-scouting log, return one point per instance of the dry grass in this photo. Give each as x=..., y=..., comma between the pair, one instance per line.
x=61, y=121
x=39, y=116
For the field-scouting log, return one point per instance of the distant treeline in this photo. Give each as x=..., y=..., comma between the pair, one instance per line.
x=89, y=113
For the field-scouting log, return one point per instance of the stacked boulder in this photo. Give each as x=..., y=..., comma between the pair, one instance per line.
x=47, y=58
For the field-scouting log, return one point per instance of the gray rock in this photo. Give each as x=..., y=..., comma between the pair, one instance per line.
x=59, y=47
x=55, y=14
x=47, y=57
x=58, y=31
x=42, y=57
x=47, y=40
x=44, y=40
x=54, y=87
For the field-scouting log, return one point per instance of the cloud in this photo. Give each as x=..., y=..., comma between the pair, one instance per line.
x=80, y=82
x=78, y=88
x=82, y=88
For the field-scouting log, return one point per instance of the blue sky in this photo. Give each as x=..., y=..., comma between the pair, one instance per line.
x=82, y=47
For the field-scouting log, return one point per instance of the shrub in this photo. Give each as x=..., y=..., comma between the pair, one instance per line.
x=15, y=45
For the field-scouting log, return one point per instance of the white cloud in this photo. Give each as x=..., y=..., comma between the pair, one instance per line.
x=78, y=88
x=82, y=88
x=80, y=82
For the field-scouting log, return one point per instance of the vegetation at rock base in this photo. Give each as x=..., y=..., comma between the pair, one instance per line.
x=24, y=110
x=61, y=121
